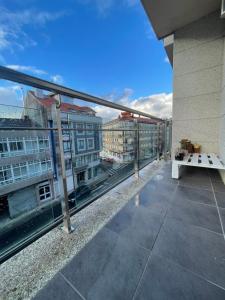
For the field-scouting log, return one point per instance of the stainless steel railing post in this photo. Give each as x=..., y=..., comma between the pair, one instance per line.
x=65, y=202
x=136, y=149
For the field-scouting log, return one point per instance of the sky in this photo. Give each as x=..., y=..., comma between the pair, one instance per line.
x=106, y=48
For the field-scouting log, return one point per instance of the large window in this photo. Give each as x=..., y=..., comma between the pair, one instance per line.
x=45, y=192
x=16, y=172
x=81, y=144
x=90, y=143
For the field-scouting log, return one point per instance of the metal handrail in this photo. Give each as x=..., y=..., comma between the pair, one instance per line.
x=12, y=75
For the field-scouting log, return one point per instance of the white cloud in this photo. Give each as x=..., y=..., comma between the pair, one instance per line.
x=166, y=59
x=11, y=95
x=30, y=69
x=159, y=105
x=105, y=6
x=13, y=24
x=57, y=79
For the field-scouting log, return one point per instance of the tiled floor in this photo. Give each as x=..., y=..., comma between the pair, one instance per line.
x=166, y=243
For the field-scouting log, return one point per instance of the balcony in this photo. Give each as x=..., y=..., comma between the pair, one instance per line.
x=165, y=242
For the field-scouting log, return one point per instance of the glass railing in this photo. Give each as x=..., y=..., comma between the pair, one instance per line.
x=55, y=161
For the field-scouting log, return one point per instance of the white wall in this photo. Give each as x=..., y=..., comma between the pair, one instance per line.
x=198, y=74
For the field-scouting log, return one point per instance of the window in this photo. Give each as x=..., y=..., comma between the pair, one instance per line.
x=20, y=171
x=5, y=175
x=80, y=128
x=31, y=146
x=16, y=146
x=90, y=143
x=66, y=126
x=66, y=146
x=34, y=167
x=95, y=171
x=3, y=148
x=81, y=144
x=44, y=192
x=43, y=144
x=89, y=173
x=89, y=128
x=68, y=164
x=89, y=158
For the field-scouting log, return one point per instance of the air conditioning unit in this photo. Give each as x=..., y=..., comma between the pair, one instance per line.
x=223, y=9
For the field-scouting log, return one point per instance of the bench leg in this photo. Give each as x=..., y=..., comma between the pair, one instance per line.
x=175, y=170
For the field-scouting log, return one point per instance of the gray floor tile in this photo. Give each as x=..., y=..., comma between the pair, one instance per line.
x=162, y=185
x=156, y=200
x=214, y=175
x=137, y=224
x=194, y=194
x=222, y=215
x=196, y=181
x=220, y=198
x=109, y=267
x=196, y=249
x=194, y=172
x=194, y=213
x=165, y=280
x=57, y=289
x=218, y=186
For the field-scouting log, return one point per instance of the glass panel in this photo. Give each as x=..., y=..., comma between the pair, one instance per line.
x=150, y=140
x=30, y=196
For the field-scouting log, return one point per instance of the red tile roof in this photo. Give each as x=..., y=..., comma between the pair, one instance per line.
x=65, y=107
x=127, y=116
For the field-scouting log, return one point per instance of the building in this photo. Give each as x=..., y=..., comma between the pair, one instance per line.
x=193, y=37
x=121, y=144
x=26, y=173
x=82, y=145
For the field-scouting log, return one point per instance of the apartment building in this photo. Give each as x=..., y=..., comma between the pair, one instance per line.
x=121, y=144
x=82, y=144
x=26, y=174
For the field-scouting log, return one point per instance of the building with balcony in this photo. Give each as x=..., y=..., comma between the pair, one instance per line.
x=26, y=174
x=121, y=143
x=82, y=143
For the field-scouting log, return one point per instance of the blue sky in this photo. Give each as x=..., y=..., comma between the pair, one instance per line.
x=103, y=47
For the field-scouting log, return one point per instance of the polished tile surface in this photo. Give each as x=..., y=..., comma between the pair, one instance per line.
x=166, y=243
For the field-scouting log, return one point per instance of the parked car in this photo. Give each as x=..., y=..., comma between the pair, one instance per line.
x=79, y=193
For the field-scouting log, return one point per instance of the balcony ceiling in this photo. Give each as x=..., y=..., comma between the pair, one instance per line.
x=167, y=16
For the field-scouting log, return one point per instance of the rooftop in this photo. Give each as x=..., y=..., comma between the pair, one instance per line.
x=65, y=107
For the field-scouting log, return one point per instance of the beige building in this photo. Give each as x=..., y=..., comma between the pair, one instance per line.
x=119, y=141
x=193, y=36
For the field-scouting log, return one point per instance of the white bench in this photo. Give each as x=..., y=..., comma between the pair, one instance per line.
x=211, y=161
